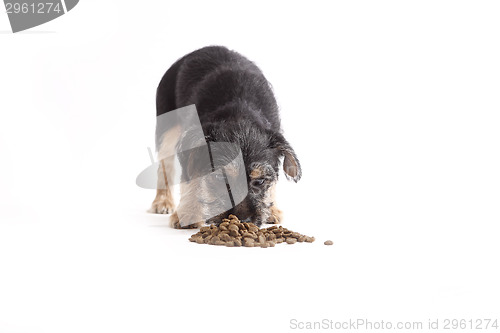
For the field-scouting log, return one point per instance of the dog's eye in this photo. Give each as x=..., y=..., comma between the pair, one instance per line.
x=258, y=182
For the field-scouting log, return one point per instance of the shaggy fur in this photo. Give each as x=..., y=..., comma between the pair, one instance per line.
x=235, y=104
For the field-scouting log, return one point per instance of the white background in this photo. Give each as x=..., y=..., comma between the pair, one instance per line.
x=392, y=107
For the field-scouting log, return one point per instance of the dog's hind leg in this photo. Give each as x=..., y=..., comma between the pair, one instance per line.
x=164, y=201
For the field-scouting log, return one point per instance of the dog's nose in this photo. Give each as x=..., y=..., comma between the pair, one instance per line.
x=244, y=210
x=242, y=215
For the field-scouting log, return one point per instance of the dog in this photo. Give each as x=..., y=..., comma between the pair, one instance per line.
x=235, y=104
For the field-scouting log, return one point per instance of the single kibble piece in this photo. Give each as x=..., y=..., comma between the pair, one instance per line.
x=248, y=240
x=262, y=239
x=291, y=240
x=328, y=242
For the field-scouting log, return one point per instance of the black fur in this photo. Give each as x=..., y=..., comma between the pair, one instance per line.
x=236, y=104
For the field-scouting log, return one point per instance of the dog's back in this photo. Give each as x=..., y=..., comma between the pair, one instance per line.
x=222, y=84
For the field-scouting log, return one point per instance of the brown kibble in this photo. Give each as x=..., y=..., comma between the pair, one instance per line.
x=253, y=228
x=248, y=240
x=246, y=234
x=328, y=242
x=262, y=239
x=231, y=232
x=226, y=238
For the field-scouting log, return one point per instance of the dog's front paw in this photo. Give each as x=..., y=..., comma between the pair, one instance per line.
x=162, y=205
x=276, y=216
x=176, y=223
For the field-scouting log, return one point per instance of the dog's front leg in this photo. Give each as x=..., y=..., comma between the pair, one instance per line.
x=275, y=214
x=188, y=214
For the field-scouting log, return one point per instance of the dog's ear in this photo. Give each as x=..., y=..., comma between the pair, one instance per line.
x=291, y=164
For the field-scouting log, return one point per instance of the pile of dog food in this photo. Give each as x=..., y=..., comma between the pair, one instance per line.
x=233, y=232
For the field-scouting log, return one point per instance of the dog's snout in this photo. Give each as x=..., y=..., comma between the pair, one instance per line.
x=244, y=210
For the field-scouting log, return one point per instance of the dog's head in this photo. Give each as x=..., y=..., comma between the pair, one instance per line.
x=262, y=152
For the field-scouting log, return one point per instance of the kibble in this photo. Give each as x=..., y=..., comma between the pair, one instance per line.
x=328, y=242
x=233, y=233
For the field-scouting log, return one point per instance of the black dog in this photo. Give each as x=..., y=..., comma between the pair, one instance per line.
x=235, y=104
